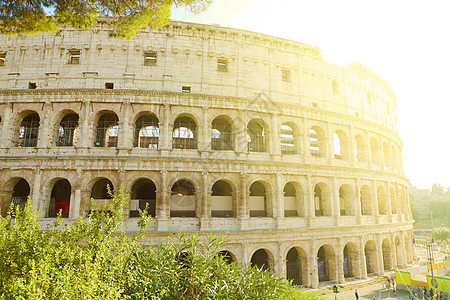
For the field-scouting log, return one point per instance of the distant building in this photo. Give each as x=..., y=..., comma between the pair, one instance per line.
x=296, y=160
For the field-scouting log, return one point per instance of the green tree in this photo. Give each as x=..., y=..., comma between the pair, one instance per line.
x=441, y=234
x=96, y=258
x=19, y=16
x=412, y=203
x=437, y=189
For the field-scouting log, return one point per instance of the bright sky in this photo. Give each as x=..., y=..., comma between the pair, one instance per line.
x=407, y=42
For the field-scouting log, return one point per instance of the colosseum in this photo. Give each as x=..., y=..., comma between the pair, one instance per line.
x=295, y=160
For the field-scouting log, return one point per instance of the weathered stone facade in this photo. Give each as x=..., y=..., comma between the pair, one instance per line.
x=297, y=161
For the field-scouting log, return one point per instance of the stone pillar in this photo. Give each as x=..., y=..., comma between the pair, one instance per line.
x=44, y=139
x=278, y=201
x=379, y=255
x=351, y=146
x=241, y=145
x=244, y=194
x=329, y=142
x=340, y=268
x=125, y=141
x=36, y=189
x=358, y=199
x=335, y=205
x=375, y=200
x=362, y=258
x=205, y=203
x=402, y=249
x=313, y=275
x=276, y=143
x=305, y=151
x=75, y=211
x=204, y=137
x=85, y=133
x=388, y=202
x=393, y=251
x=309, y=200
x=7, y=134
x=165, y=138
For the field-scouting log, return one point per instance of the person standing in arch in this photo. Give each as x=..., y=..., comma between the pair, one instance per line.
x=356, y=294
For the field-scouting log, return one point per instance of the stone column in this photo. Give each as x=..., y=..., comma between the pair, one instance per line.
x=85, y=134
x=7, y=134
x=379, y=255
x=313, y=275
x=362, y=258
x=204, y=137
x=358, y=199
x=243, y=200
x=278, y=201
x=125, y=142
x=393, y=251
x=305, y=151
x=351, y=146
x=375, y=200
x=75, y=204
x=388, y=202
x=165, y=124
x=36, y=189
x=44, y=139
x=309, y=200
x=329, y=142
x=340, y=268
x=335, y=205
x=205, y=204
x=276, y=146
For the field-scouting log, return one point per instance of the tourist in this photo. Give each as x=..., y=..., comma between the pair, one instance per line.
x=394, y=289
x=356, y=294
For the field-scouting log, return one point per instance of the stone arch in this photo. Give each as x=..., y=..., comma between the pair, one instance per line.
x=20, y=192
x=375, y=151
x=222, y=133
x=222, y=202
x=143, y=196
x=326, y=263
x=60, y=198
x=260, y=199
x=257, y=136
x=294, y=204
x=262, y=259
x=340, y=142
x=366, y=201
x=387, y=255
x=370, y=252
x=352, y=260
x=28, y=131
x=146, y=131
x=322, y=200
x=317, y=142
x=393, y=199
x=297, y=266
x=8, y=189
x=183, y=199
x=67, y=131
x=99, y=191
x=289, y=139
x=107, y=129
x=382, y=201
x=360, y=147
x=228, y=256
x=346, y=200
x=184, y=133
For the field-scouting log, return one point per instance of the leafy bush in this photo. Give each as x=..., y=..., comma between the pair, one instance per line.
x=96, y=258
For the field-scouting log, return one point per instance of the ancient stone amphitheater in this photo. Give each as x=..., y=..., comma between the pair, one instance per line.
x=296, y=160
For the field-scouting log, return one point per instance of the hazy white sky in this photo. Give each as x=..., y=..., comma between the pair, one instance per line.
x=405, y=42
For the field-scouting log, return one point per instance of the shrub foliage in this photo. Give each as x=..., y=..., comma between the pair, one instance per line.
x=96, y=258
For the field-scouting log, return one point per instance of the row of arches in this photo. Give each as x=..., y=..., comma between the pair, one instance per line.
x=224, y=131
x=331, y=264
x=225, y=199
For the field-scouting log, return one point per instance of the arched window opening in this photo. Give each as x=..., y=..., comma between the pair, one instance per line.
x=107, y=131
x=346, y=202
x=67, y=131
x=360, y=148
x=29, y=131
x=146, y=132
x=290, y=201
x=287, y=140
x=370, y=252
x=257, y=201
x=351, y=261
x=143, y=196
x=256, y=137
x=375, y=151
x=322, y=201
x=394, y=202
x=182, y=199
x=222, y=200
x=100, y=192
x=184, y=134
x=382, y=201
x=296, y=266
x=387, y=254
x=316, y=142
x=20, y=194
x=340, y=145
x=60, y=199
x=221, y=135
x=227, y=256
x=366, y=201
x=260, y=260
x=326, y=265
